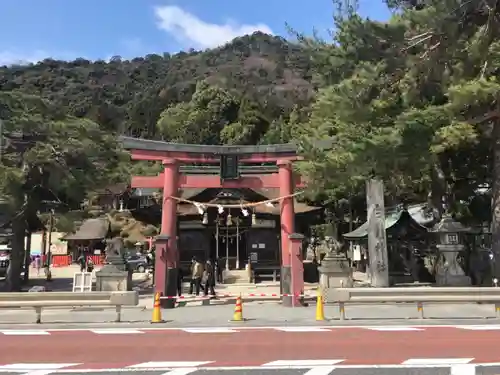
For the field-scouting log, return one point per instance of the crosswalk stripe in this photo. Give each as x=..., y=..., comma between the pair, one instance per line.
x=436, y=361
x=116, y=331
x=169, y=364
x=24, y=332
x=304, y=363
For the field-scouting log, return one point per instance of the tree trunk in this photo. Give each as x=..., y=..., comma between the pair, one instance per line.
x=495, y=200
x=438, y=190
x=16, y=254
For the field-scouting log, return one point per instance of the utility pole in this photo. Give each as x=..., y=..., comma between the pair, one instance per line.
x=1, y=140
x=48, y=272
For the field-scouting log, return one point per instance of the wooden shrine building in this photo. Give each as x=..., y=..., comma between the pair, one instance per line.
x=232, y=236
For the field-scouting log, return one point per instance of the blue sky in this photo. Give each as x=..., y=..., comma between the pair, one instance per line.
x=34, y=29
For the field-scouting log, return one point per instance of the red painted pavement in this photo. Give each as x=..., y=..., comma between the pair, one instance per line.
x=250, y=348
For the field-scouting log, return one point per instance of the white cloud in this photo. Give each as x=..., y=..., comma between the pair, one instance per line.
x=188, y=28
x=11, y=57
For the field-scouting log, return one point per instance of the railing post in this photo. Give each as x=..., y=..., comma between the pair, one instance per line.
x=38, y=312
x=342, y=310
x=118, y=314
x=420, y=309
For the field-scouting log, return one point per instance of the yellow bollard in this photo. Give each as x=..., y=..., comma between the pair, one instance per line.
x=157, y=310
x=320, y=312
x=238, y=311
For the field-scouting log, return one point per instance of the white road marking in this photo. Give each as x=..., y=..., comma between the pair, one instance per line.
x=115, y=331
x=437, y=361
x=39, y=372
x=160, y=365
x=209, y=330
x=36, y=366
x=260, y=328
x=252, y=368
x=303, y=363
x=303, y=329
x=320, y=370
x=181, y=371
x=463, y=370
x=486, y=327
x=25, y=332
x=396, y=329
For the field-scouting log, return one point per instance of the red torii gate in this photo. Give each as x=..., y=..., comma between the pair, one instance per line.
x=171, y=180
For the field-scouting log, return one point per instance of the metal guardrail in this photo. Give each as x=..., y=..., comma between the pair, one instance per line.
x=41, y=300
x=419, y=296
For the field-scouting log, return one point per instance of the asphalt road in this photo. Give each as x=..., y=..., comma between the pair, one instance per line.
x=478, y=370
x=232, y=347
x=433, y=350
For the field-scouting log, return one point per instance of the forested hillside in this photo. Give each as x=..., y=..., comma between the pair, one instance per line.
x=259, y=80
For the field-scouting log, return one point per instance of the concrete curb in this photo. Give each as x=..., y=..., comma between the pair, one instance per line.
x=231, y=300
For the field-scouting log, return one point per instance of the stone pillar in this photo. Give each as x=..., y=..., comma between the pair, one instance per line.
x=296, y=271
x=377, y=240
x=287, y=225
x=167, y=256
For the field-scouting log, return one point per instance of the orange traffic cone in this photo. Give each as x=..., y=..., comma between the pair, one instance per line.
x=238, y=311
x=157, y=310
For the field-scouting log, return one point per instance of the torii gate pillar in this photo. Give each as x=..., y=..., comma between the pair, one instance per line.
x=167, y=254
x=292, y=275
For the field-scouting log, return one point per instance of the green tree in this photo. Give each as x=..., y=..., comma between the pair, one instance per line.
x=459, y=41
x=43, y=151
x=202, y=120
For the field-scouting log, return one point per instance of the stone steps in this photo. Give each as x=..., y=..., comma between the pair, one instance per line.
x=236, y=277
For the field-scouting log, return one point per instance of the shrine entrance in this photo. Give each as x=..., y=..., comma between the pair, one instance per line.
x=237, y=167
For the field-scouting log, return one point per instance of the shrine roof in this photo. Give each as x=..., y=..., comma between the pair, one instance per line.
x=415, y=218
x=91, y=229
x=268, y=193
x=130, y=143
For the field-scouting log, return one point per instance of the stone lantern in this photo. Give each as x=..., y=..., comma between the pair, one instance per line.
x=450, y=243
x=334, y=271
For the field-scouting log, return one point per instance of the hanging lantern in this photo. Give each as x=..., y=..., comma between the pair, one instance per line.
x=229, y=220
x=205, y=219
x=254, y=219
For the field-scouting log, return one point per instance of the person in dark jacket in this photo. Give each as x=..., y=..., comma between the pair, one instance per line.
x=180, y=277
x=218, y=270
x=209, y=278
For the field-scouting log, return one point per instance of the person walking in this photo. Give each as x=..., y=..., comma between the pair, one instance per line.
x=38, y=264
x=218, y=270
x=209, y=278
x=81, y=262
x=196, y=275
x=180, y=277
x=90, y=265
